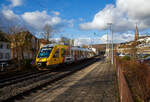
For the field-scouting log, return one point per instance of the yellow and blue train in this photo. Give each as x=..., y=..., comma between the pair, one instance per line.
x=54, y=54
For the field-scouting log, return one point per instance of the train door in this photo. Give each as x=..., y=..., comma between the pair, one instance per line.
x=62, y=55
x=56, y=57
x=75, y=55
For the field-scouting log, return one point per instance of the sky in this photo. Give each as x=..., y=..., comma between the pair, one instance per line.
x=86, y=21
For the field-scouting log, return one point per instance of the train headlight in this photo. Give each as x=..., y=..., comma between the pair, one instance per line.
x=41, y=63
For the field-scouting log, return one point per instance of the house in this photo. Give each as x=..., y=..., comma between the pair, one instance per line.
x=24, y=45
x=42, y=42
x=5, y=51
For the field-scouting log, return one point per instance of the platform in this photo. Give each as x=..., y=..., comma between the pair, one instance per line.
x=96, y=83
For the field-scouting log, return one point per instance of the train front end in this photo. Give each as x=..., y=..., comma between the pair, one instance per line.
x=43, y=56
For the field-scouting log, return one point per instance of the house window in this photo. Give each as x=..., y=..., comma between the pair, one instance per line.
x=1, y=46
x=7, y=56
x=8, y=46
x=1, y=55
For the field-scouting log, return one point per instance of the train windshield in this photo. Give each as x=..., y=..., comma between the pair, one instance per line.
x=44, y=52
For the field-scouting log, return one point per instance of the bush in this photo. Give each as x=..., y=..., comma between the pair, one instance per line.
x=27, y=63
x=126, y=58
x=138, y=78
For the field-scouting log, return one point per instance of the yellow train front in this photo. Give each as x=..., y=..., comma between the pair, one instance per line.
x=53, y=55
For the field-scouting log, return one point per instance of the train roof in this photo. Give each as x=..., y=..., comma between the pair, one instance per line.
x=49, y=45
x=81, y=49
x=52, y=45
x=73, y=47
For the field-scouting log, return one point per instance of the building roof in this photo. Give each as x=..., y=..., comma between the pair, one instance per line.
x=43, y=41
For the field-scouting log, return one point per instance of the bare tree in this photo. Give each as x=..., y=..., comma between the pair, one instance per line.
x=47, y=32
x=65, y=40
x=19, y=39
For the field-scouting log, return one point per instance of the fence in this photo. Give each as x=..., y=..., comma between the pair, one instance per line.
x=125, y=94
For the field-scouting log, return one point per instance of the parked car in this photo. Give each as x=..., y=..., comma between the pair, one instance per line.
x=121, y=55
x=146, y=60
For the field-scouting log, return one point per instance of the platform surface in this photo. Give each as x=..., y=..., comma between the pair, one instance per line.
x=98, y=85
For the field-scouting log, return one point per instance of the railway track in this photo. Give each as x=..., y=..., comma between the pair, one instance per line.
x=19, y=78
x=17, y=87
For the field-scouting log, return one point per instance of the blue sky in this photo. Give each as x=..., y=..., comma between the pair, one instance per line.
x=79, y=18
x=75, y=10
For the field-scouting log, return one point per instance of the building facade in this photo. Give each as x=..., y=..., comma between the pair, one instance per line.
x=5, y=51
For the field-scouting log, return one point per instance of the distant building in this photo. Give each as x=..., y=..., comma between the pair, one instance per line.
x=142, y=44
x=99, y=48
x=5, y=51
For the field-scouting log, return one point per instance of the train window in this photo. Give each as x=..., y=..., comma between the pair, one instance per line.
x=63, y=52
x=72, y=52
x=67, y=52
x=78, y=53
x=45, y=52
x=56, y=55
x=86, y=54
x=81, y=53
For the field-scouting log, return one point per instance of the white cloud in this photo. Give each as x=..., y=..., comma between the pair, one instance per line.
x=81, y=41
x=104, y=38
x=56, y=13
x=117, y=38
x=15, y=3
x=70, y=23
x=34, y=21
x=124, y=15
x=81, y=19
x=86, y=41
x=134, y=9
x=9, y=14
x=38, y=19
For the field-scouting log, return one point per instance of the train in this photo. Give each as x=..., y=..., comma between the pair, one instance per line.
x=55, y=54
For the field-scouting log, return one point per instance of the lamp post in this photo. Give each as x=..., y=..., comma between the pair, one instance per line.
x=111, y=32
x=107, y=46
x=112, y=49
